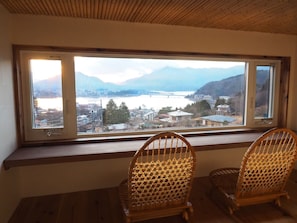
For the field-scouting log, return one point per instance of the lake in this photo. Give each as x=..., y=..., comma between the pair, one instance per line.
x=155, y=101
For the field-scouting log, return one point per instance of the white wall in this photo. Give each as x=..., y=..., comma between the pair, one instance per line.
x=88, y=175
x=42, y=30
x=9, y=184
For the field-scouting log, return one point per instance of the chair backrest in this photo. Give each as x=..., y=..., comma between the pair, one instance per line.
x=267, y=164
x=161, y=172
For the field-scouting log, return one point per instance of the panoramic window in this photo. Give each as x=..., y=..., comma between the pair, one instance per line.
x=72, y=95
x=134, y=94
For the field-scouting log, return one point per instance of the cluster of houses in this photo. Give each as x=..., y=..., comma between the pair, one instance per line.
x=210, y=120
x=90, y=119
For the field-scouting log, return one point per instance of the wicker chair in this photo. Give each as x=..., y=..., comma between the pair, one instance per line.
x=264, y=171
x=159, y=179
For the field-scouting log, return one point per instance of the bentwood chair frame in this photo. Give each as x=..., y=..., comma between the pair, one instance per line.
x=263, y=174
x=160, y=179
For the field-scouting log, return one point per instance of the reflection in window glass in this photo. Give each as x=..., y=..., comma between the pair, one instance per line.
x=47, y=103
x=264, y=91
x=133, y=94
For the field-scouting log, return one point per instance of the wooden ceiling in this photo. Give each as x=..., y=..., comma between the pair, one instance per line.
x=271, y=16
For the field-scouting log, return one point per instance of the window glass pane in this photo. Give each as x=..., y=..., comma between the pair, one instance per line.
x=47, y=103
x=136, y=94
x=264, y=91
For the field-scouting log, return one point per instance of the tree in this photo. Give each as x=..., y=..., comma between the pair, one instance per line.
x=220, y=101
x=114, y=114
x=124, y=113
x=236, y=103
x=199, y=108
x=110, y=113
x=165, y=110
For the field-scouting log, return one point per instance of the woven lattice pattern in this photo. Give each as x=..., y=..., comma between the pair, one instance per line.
x=162, y=173
x=267, y=164
x=162, y=183
x=226, y=179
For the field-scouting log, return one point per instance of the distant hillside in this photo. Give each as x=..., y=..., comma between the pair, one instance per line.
x=85, y=86
x=91, y=86
x=48, y=88
x=226, y=87
x=230, y=86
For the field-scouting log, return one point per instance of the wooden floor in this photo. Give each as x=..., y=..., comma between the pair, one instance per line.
x=102, y=206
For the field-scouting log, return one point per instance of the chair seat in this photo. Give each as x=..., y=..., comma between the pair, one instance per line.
x=141, y=215
x=226, y=179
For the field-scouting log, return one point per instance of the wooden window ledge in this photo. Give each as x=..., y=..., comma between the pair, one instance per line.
x=120, y=149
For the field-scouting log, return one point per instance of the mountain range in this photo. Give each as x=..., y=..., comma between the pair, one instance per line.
x=181, y=79
x=165, y=79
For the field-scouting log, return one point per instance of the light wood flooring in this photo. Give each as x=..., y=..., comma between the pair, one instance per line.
x=103, y=206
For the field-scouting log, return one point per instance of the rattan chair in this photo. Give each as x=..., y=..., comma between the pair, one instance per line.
x=159, y=179
x=264, y=171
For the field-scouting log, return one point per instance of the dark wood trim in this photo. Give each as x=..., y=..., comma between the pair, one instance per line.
x=284, y=92
x=17, y=94
x=112, y=51
x=120, y=149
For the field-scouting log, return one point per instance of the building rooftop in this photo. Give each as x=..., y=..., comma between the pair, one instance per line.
x=218, y=118
x=179, y=113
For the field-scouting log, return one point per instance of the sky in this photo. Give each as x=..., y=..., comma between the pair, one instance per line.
x=118, y=70
x=44, y=69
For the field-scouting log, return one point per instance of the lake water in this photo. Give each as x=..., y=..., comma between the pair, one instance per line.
x=170, y=99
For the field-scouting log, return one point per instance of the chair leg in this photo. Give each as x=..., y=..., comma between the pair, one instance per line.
x=187, y=213
x=186, y=216
x=231, y=210
x=277, y=202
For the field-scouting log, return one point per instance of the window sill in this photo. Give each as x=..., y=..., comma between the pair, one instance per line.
x=120, y=149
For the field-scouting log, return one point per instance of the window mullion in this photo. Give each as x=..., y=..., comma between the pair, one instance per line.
x=69, y=98
x=251, y=93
